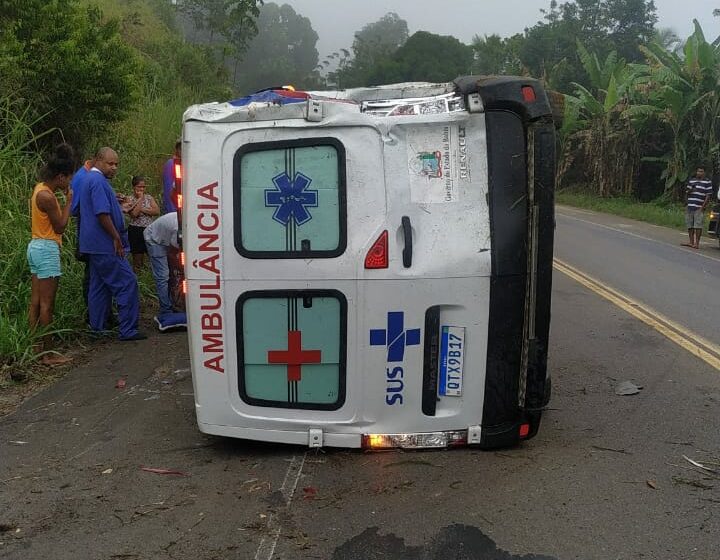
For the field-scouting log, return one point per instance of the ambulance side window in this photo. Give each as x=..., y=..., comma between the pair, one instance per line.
x=290, y=199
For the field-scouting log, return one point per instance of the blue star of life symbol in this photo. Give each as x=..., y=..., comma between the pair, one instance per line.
x=291, y=198
x=395, y=337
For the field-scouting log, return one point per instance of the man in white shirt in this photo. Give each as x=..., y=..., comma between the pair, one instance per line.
x=160, y=235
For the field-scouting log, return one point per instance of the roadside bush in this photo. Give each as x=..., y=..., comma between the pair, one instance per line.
x=67, y=65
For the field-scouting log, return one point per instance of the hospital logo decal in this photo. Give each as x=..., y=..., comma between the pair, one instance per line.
x=429, y=164
x=291, y=199
x=395, y=338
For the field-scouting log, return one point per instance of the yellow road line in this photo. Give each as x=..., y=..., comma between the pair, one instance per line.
x=695, y=344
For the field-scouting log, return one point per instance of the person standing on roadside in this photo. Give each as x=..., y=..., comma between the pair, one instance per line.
x=103, y=238
x=77, y=184
x=49, y=221
x=142, y=209
x=698, y=191
x=168, y=181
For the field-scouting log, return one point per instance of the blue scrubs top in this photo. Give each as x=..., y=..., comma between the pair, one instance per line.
x=97, y=198
x=77, y=184
x=168, y=187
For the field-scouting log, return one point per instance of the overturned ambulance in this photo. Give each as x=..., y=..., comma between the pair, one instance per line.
x=371, y=267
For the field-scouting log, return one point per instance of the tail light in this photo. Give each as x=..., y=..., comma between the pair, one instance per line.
x=184, y=287
x=524, y=430
x=528, y=94
x=427, y=440
x=177, y=177
x=377, y=256
x=182, y=259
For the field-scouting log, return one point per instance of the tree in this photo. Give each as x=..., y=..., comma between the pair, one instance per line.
x=374, y=42
x=283, y=52
x=597, y=134
x=230, y=24
x=76, y=73
x=683, y=94
x=668, y=39
x=490, y=54
x=549, y=50
x=495, y=55
x=424, y=57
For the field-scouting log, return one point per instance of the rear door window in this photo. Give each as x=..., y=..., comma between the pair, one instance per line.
x=291, y=348
x=290, y=199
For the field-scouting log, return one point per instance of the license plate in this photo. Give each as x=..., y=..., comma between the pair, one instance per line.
x=452, y=352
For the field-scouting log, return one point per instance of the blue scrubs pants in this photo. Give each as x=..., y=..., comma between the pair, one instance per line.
x=112, y=277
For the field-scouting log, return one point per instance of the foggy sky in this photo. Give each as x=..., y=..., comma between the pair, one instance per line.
x=337, y=20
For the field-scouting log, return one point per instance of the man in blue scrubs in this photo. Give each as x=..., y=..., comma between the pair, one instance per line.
x=77, y=185
x=103, y=238
x=168, y=180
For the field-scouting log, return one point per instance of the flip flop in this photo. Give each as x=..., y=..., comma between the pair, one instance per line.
x=56, y=360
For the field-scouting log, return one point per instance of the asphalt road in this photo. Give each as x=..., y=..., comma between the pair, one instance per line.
x=647, y=263
x=605, y=478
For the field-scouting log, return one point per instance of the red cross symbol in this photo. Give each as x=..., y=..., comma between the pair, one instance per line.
x=294, y=356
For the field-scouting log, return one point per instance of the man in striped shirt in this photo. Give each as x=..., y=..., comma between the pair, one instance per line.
x=698, y=192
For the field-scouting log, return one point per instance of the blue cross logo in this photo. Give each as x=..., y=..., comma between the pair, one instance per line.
x=395, y=337
x=291, y=199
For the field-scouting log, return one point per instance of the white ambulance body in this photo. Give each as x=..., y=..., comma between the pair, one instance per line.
x=370, y=267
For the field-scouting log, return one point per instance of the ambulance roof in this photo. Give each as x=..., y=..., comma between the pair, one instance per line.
x=388, y=100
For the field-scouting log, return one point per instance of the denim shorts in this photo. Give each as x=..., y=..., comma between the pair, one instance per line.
x=43, y=255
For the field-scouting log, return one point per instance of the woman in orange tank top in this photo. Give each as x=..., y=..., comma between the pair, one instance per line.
x=49, y=221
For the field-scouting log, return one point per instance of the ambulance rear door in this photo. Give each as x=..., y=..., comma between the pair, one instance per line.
x=424, y=319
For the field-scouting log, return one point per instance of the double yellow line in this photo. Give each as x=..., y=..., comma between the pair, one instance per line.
x=693, y=343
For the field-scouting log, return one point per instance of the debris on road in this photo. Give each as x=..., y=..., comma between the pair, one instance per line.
x=652, y=484
x=700, y=465
x=601, y=448
x=163, y=471
x=18, y=442
x=309, y=493
x=120, y=383
x=107, y=471
x=627, y=388
x=694, y=483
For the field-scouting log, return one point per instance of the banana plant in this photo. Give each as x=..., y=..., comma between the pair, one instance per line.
x=596, y=125
x=684, y=93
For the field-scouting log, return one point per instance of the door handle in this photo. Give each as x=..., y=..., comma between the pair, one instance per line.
x=408, y=249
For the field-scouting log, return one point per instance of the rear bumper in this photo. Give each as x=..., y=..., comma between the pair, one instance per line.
x=494, y=437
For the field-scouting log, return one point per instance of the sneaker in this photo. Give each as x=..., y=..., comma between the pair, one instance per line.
x=137, y=336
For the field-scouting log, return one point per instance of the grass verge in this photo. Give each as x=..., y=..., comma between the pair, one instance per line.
x=667, y=214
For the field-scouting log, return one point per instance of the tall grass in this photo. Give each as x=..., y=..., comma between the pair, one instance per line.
x=19, y=163
x=143, y=141
x=660, y=212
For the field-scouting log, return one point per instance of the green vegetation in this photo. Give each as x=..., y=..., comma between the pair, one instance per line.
x=642, y=106
x=665, y=214
x=118, y=74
